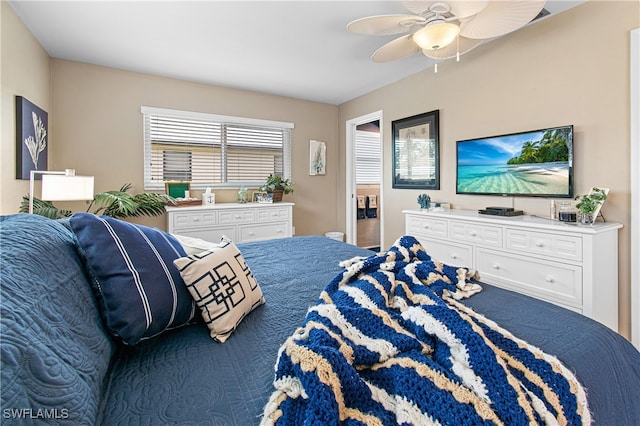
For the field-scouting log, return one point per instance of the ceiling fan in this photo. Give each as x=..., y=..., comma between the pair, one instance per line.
x=446, y=29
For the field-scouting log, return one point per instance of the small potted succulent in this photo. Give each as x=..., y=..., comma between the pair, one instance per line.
x=277, y=185
x=589, y=205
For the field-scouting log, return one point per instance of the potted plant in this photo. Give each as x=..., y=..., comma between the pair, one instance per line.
x=278, y=186
x=118, y=204
x=589, y=205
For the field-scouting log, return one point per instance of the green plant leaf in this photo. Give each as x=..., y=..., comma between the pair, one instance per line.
x=43, y=208
x=118, y=204
x=121, y=203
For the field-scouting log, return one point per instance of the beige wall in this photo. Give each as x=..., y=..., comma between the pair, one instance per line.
x=556, y=72
x=24, y=71
x=99, y=131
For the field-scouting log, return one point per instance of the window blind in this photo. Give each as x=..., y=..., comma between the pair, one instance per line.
x=368, y=158
x=211, y=150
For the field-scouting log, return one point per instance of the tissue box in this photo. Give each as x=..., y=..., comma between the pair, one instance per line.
x=208, y=199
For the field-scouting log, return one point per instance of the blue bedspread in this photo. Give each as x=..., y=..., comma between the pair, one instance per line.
x=56, y=356
x=183, y=371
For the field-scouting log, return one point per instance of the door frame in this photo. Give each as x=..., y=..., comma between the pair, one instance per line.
x=635, y=186
x=350, y=176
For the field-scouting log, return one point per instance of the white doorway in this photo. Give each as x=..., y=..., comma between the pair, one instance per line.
x=353, y=200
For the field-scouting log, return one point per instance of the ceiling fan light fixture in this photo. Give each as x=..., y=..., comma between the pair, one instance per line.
x=436, y=35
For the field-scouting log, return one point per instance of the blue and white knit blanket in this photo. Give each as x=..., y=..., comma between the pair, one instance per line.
x=388, y=343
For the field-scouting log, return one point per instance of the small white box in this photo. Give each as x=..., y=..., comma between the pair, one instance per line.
x=208, y=199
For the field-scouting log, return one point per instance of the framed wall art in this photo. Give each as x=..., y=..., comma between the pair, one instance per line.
x=32, y=126
x=416, y=151
x=317, y=158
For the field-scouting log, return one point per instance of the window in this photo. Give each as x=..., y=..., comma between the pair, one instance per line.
x=368, y=158
x=211, y=150
x=176, y=165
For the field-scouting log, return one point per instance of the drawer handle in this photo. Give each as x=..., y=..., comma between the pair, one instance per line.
x=454, y=256
x=278, y=231
x=539, y=244
x=495, y=266
x=549, y=279
x=196, y=219
x=252, y=233
x=238, y=216
x=473, y=233
x=426, y=227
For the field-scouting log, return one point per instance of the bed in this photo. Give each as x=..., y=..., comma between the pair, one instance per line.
x=292, y=273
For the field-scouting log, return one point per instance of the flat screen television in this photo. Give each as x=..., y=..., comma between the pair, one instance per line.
x=536, y=163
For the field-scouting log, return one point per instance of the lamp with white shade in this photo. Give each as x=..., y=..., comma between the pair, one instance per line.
x=61, y=186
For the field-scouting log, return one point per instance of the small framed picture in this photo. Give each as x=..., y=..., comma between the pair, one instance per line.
x=262, y=197
x=32, y=125
x=317, y=158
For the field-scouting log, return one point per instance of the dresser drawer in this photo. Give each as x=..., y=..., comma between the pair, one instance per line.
x=476, y=233
x=422, y=225
x=272, y=214
x=449, y=253
x=559, y=246
x=555, y=282
x=236, y=216
x=194, y=219
x=264, y=231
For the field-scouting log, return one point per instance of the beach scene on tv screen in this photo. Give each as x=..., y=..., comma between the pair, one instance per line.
x=534, y=163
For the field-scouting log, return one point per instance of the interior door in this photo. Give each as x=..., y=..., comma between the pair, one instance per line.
x=351, y=186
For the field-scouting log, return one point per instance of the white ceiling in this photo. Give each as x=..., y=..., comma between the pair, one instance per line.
x=298, y=49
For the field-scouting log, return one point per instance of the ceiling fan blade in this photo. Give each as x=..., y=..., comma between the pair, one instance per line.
x=459, y=8
x=500, y=18
x=384, y=24
x=396, y=49
x=462, y=45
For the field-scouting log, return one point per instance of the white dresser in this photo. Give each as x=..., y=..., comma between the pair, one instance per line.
x=570, y=265
x=240, y=222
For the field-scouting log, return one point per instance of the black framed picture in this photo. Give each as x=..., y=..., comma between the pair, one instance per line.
x=416, y=151
x=32, y=126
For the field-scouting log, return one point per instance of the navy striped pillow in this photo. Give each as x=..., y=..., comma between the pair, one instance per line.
x=139, y=290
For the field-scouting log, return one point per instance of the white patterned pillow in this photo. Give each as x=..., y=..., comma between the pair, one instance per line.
x=222, y=285
x=193, y=245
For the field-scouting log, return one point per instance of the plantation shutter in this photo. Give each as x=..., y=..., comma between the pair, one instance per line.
x=212, y=151
x=368, y=158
